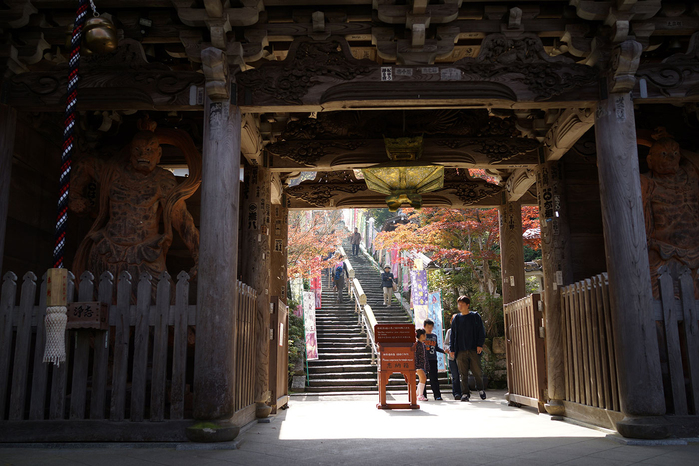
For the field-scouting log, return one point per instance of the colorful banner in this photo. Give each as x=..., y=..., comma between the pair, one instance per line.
x=434, y=312
x=317, y=288
x=309, y=323
x=418, y=293
x=395, y=262
x=296, y=294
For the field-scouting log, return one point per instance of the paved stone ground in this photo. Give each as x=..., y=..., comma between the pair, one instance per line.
x=347, y=430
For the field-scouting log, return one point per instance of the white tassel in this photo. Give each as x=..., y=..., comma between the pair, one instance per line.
x=56, y=320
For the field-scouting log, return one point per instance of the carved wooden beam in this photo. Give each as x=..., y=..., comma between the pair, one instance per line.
x=347, y=154
x=120, y=81
x=339, y=190
x=507, y=73
x=566, y=130
x=674, y=80
x=17, y=13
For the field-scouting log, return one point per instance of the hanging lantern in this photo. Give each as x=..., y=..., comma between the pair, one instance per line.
x=404, y=179
x=100, y=35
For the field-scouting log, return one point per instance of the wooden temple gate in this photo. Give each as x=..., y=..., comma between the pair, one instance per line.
x=513, y=90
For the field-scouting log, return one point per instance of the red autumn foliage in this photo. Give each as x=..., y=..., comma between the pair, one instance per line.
x=312, y=235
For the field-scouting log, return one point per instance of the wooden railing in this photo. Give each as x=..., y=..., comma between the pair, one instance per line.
x=588, y=343
x=365, y=316
x=139, y=370
x=245, y=346
x=677, y=316
x=526, y=365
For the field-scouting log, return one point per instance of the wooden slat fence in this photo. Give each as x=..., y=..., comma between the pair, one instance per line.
x=140, y=370
x=525, y=352
x=590, y=361
x=245, y=344
x=677, y=317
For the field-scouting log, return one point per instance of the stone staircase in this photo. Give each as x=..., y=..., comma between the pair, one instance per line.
x=344, y=363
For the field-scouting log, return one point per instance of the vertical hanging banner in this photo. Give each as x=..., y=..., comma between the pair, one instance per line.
x=418, y=293
x=309, y=324
x=434, y=311
x=296, y=293
x=316, y=287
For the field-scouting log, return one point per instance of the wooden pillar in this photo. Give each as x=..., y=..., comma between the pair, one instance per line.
x=8, y=123
x=256, y=263
x=639, y=374
x=558, y=271
x=279, y=227
x=511, y=251
x=214, y=365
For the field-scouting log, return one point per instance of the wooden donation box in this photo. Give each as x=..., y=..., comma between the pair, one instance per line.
x=396, y=355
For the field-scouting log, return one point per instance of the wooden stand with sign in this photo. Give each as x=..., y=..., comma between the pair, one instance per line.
x=396, y=355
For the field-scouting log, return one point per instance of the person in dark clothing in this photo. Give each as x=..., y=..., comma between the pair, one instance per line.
x=467, y=339
x=432, y=350
x=420, y=362
x=339, y=274
x=387, y=285
x=453, y=368
x=355, y=240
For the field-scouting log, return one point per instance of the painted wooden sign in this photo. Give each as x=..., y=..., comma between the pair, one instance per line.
x=93, y=315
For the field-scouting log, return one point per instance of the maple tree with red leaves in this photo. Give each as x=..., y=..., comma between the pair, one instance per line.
x=459, y=238
x=312, y=236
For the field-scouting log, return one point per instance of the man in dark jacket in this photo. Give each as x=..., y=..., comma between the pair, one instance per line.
x=467, y=339
x=387, y=285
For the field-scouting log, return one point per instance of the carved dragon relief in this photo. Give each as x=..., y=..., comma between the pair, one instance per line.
x=525, y=57
x=291, y=79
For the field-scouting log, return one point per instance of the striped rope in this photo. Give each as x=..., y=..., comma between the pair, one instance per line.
x=68, y=134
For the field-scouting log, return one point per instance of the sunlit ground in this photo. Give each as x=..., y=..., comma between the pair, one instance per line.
x=356, y=417
x=349, y=430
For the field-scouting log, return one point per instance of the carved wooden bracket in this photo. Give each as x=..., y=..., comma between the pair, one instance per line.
x=217, y=19
x=251, y=140
x=625, y=59
x=519, y=182
x=215, y=66
x=566, y=130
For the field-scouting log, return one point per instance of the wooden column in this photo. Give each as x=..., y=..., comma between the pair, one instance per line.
x=8, y=123
x=640, y=383
x=511, y=251
x=256, y=263
x=558, y=271
x=279, y=227
x=214, y=369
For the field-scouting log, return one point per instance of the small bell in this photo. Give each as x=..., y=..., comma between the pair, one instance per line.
x=99, y=35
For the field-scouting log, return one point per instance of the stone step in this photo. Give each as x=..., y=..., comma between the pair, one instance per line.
x=327, y=362
x=349, y=357
x=313, y=369
x=343, y=375
x=347, y=350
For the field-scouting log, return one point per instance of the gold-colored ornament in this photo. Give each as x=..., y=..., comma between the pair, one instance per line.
x=405, y=178
x=99, y=35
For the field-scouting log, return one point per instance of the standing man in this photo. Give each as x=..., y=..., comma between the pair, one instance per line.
x=453, y=367
x=355, y=239
x=467, y=338
x=387, y=285
x=339, y=276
